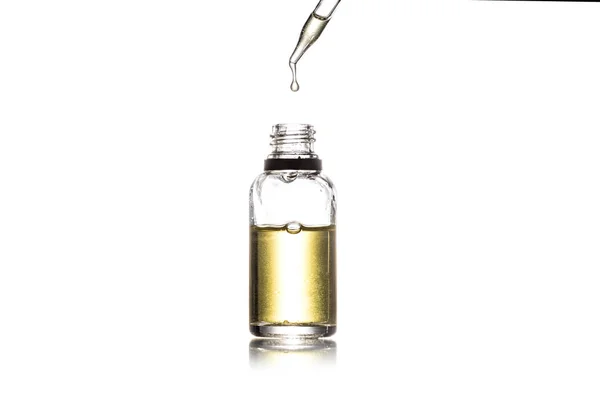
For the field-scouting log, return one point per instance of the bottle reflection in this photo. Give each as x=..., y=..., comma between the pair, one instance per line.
x=294, y=353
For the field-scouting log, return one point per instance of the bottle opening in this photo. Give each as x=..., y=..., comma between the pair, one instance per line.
x=292, y=148
x=281, y=130
x=293, y=141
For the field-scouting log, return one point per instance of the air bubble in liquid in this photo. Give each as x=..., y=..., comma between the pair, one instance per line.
x=293, y=227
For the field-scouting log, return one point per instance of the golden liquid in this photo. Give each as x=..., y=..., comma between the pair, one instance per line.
x=292, y=275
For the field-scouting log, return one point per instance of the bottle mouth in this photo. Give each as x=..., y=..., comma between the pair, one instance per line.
x=290, y=130
x=293, y=141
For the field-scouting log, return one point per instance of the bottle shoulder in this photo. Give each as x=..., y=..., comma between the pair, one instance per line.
x=283, y=179
x=280, y=197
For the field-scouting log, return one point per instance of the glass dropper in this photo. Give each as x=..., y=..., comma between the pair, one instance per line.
x=311, y=31
x=325, y=8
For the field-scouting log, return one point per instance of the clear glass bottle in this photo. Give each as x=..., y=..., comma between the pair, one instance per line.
x=292, y=240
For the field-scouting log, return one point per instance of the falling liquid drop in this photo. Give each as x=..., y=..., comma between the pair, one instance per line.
x=295, y=87
x=293, y=228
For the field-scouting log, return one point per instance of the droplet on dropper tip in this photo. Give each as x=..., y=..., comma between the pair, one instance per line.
x=295, y=86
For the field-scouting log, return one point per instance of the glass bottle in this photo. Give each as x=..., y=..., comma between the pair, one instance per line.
x=292, y=240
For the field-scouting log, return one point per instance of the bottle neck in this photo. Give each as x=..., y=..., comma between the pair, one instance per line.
x=293, y=141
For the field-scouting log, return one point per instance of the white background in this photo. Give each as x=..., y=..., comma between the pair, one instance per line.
x=463, y=140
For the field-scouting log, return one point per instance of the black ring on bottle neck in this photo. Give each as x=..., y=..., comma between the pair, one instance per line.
x=295, y=164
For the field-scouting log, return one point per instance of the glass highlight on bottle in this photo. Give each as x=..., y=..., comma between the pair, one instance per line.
x=292, y=240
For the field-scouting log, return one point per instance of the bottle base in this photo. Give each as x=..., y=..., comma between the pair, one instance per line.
x=293, y=331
